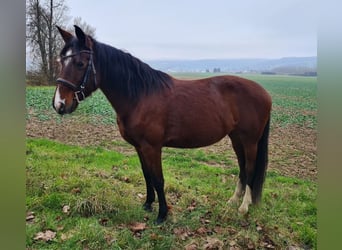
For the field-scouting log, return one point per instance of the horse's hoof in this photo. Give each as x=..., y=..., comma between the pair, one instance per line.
x=147, y=207
x=243, y=210
x=160, y=220
x=233, y=200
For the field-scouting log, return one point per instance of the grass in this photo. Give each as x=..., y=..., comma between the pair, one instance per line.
x=105, y=189
x=94, y=110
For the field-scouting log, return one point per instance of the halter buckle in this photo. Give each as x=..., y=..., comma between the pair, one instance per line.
x=77, y=97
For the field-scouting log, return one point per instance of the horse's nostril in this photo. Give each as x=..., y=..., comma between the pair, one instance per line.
x=61, y=108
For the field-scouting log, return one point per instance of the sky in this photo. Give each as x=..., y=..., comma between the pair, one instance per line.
x=190, y=29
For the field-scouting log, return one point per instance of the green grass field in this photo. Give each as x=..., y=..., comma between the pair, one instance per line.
x=91, y=197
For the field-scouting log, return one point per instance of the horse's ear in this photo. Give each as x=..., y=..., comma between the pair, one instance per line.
x=65, y=34
x=83, y=38
x=80, y=34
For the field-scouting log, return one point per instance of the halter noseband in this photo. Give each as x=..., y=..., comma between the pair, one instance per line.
x=78, y=89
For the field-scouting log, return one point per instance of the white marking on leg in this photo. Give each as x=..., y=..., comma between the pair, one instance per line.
x=237, y=194
x=58, y=100
x=247, y=200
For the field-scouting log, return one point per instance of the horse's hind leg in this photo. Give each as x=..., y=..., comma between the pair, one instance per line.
x=241, y=183
x=250, y=156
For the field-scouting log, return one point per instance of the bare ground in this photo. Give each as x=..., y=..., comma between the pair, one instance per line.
x=292, y=149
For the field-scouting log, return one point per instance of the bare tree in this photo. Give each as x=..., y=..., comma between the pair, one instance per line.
x=42, y=16
x=42, y=36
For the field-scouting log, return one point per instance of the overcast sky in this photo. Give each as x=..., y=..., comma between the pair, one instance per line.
x=196, y=29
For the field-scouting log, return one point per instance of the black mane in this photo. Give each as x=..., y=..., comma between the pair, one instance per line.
x=123, y=72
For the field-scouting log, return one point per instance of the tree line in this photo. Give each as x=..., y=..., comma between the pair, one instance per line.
x=43, y=41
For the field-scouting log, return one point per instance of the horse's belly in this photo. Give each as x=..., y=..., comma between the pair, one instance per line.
x=193, y=140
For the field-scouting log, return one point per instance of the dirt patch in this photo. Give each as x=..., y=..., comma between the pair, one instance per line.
x=292, y=149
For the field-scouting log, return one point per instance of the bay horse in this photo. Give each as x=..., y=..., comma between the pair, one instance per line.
x=155, y=110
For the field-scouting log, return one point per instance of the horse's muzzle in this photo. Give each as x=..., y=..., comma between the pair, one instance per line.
x=62, y=109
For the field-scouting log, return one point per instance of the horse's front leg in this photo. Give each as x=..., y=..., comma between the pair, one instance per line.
x=152, y=168
x=150, y=195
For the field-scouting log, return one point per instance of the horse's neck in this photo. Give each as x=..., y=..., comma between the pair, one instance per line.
x=121, y=104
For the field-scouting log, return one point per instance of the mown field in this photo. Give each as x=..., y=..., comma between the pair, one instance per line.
x=85, y=188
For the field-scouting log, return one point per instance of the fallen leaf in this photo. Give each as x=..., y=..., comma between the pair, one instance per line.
x=231, y=230
x=192, y=206
x=244, y=223
x=66, y=236
x=126, y=179
x=102, y=174
x=66, y=209
x=141, y=196
x=137, y=227
x=29, y=216
x=204, y=221
x=64, y=176
x=59, y=218
x=103, y=221
x=267, y=242
x=219, y=230
x=76, y=191
x=154, y=236
x=293, y=248
x=232, y=243
x=191, y=246
x=45, y=236
x=182, y=233
x=250, y=245
x=109, y=239
x=202, y=231
x=213, y=243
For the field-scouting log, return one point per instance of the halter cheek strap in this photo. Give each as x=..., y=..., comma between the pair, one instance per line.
x=79, y=89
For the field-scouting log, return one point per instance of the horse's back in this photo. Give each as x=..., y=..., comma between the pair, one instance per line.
x=201, y=112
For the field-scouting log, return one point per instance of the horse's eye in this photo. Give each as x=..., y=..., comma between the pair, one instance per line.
x=80, y=65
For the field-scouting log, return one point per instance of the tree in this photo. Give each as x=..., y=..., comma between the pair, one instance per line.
x=42, y=36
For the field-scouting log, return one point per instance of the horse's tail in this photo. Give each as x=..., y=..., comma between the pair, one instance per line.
x=260, y=165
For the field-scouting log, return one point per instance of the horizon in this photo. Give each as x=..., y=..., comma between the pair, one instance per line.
x=29, y=64
x=241, y=58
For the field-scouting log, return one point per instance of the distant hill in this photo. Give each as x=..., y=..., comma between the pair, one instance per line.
x=286, y=65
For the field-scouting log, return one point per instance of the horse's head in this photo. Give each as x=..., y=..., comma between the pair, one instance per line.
x=77, y=78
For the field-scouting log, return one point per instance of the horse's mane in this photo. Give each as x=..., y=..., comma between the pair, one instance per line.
x=123, y=72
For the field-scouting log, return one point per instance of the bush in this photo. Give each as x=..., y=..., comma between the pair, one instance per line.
x=35, y=78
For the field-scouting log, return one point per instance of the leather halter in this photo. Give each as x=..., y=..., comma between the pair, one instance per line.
x=79, y=89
